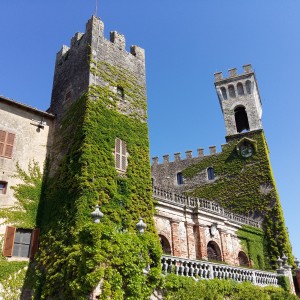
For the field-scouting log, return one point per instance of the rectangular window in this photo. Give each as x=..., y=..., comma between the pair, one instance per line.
x=120, y=155
x=3, y=187
x=20, y=242
x=6, y=143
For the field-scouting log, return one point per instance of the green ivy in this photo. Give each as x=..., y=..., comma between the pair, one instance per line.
x=254, y=245
x=246, y=186
x=28, y=194
x=179, y=287
x=22, y=215
x=75, y=253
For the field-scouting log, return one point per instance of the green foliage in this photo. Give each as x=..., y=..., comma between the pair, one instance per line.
x=28, y=193
x=284, y=282
x=246, y=186
x=23, y=215
x=254, y=245
x=178, y=288
x=77, y=253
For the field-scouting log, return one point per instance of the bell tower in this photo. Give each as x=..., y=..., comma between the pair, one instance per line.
x=240, y=101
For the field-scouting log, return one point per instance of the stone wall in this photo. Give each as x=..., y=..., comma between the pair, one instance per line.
x=32, y=129
x=251, y=101
x=189, y=232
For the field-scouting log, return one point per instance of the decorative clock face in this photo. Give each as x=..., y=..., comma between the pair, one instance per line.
x=246, y=150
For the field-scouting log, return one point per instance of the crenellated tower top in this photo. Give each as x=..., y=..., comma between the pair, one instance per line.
x=75, y=64
x=240, y=100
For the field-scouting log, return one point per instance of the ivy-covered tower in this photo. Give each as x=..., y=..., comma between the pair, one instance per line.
x=244, y=179
x=100, y=156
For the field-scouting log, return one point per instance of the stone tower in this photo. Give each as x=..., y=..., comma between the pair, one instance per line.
x=76, y=68
x=240, y=101
x=100, y=157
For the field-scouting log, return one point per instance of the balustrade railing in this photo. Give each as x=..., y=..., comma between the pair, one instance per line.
x=209, y=270
x=206, y=205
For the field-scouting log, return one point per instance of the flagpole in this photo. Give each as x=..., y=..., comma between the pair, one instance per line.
x=96, y=9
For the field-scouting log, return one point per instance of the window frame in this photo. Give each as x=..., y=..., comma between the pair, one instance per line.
x=121, y=156
x=4, y=189
x=10, y=242
x=179, y=178
x=210, y=173
x=7, y=141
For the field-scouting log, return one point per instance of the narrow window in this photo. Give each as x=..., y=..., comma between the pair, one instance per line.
x=210, y=173
x=120, y=155
x=248, y=86
x=224, y=93
x=3, y=187
x=68, y=96
x=120, y=92
x=6, y=143
x=179, y=178
x=231, y=91
x=241, y=119
x=20, y=242
x=240, y=89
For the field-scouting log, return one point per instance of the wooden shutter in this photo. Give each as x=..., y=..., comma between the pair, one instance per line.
x=9, y=145
x=124, y=158
x=34, y=242
x=2, y=142
x=118, y=154
x=9, y=241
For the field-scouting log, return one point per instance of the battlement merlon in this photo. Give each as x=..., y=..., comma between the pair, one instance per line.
x=188, y=155
x=95, y=30
x=232, y=74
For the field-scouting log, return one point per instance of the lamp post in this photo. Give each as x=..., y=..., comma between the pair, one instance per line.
x=97, y=214
x=140, y=226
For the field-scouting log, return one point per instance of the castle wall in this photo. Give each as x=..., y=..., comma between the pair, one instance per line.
x=164, y=174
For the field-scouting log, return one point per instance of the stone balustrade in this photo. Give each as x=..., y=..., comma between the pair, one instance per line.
x=205, y=205
x=208, y=270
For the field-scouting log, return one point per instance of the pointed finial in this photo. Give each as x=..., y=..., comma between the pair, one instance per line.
x=97, y=214
x=140, y=226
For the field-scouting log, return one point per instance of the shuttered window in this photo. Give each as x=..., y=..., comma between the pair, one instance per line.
x=6, y=143
x=20, y=242
x=120, y=155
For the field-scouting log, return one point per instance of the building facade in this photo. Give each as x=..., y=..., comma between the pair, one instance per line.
x=93, y=145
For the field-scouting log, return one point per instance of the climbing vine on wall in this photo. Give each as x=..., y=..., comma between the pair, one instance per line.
x=254, y=245
x=77, y=253
x=27, y=193
x=246, y=186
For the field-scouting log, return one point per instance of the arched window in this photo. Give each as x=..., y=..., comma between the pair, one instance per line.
x=240, y=89
x=231, y=91
x=241, y=119
x=248, y=86
x=165, y=245
x=213, y=251
x=179, y=178
x=224, y=93
x=210, y=173
x=243, y=259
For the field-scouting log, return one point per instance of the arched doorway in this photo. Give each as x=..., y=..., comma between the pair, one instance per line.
x=241, y=119
x=213, y=251
x=165, y=245
x=243, y=259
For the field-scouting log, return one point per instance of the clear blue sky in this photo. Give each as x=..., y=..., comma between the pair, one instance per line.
x=186, y=42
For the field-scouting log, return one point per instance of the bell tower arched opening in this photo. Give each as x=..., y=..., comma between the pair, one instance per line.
x=241, y=119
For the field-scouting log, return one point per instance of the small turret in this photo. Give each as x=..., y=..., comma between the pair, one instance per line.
x=240, y=100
